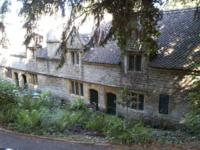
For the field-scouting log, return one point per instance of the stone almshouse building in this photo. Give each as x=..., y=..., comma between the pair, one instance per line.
x=158, y=86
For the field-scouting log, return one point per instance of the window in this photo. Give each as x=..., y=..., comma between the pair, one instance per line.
x=77, y=88
x=33, y=79
x=163, y=104
x=135, y=62
x=137, y=101
x=8, y=73
x=75, y=58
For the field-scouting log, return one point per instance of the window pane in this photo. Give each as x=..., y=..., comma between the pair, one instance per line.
x=77, y=88
x=72, y=55
x=134, y=101
x=81, y=88
x=131, y=62
x=138, y=63
x=141, y=102
x=77, y=58
x=72, y=87
x=163, y=104
x=35, y=79
x=16, y=79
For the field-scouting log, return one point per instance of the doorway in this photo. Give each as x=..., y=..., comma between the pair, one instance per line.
x=111, y=103
x=94, y=98
x=24, y=81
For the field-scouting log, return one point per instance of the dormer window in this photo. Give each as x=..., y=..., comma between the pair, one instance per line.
x=75, y=58
x=135, y=63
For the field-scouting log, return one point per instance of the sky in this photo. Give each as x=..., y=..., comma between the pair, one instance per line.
x=54, y=23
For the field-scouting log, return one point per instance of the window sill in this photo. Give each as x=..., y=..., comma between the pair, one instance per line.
x=132, y=71
x=77, y=96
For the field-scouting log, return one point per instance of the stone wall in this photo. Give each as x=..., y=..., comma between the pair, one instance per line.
x=154, y=82
x=109, y=79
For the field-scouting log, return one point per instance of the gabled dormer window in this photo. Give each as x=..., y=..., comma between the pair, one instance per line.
x=75, y=58
x=135, y=63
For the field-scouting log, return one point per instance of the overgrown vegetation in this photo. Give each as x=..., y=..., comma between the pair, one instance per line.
x=44, y=116
x=193, y=117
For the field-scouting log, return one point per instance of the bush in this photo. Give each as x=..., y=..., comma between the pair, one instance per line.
x=136, y=133
x=8, y=93
x=193, y=117
x=27, y=120
x=78, y=104
x=96, y=122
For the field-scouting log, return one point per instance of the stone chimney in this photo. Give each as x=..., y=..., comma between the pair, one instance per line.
x=53, y=43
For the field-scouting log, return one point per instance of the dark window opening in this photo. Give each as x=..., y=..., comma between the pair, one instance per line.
x=137, y=101
x=163, y=104
x=75, y=58
x=33, y=79
x=135, y=63
x=77, y=88
x=25, y=81
x=81, y=88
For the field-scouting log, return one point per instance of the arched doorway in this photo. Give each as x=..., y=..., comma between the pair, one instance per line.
x=94, y=98
x=16, y=78
x=24, y=81
x=111, y=103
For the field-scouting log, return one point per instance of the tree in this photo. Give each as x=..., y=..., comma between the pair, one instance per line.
x=130, y=17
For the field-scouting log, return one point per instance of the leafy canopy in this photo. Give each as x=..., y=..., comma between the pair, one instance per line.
x=136, y=18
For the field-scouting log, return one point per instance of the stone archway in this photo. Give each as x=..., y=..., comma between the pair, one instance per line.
x=94, y=98
x=111, y=103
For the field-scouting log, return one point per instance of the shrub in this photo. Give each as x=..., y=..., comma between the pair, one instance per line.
x=8, y=113
x=193, y=117
x=8, y=92
x=27, y=120
x=78, y=104
x=137, y=133
x=96, y=122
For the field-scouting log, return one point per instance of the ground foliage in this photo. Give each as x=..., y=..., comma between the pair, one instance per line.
x=43, y=115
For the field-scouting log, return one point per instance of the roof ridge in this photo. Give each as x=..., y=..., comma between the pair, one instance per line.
x=178, y=10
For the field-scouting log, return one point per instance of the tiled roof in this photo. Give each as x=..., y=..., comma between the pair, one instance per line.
x=84, y=38
x=109, y=54
x=179, y=40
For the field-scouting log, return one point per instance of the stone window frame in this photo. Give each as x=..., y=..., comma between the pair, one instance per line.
x=75, y=60
x=33, y=78
x=137, y=58
x=168, y=104
x=77, y=88
x=137, y=106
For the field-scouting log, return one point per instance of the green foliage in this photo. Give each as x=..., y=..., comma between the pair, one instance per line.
x=78, y=104
x=193, y=117
x=27, y=120
x=42, y=115
x=97, y=122
x=136, y=133
x=8, y=93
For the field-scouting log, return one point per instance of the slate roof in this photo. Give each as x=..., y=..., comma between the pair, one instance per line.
x=109, y=54
x=179, y=41
x=85, y=38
